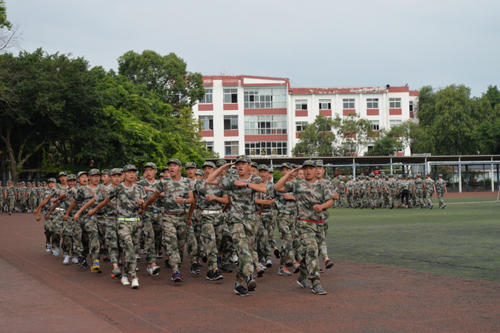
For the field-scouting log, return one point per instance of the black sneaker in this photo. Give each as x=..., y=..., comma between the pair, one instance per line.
x=83, y=262
x=277, y=253
x=329, y=264
x=167, y=264
x=195, y=269
x=251, y=284
x=217, y=276
x=240, y=290
x=319, y=290
x=226, y=268
x=304, y=284
x=204, y=259
x=210, y=275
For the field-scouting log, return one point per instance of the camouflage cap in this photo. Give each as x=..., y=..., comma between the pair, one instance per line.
x=82, y=173
x=254, y=165
x=150, y=165
x=62, y=173
x=286, y=165
x=208, y=164
x=129, y=167
x=51, y=180
x=175, y=161
x=221, y=162
x=190, y=165
x=309, y=163
x=263, y=167
x=106, y=172
x=319, y=163
x=164, y=168
x=243, y=158
x=94, y=172
x=116, y=171
x=71, y=176
x=200, y=172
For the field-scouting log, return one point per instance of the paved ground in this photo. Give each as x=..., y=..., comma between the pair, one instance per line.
x=39, y=294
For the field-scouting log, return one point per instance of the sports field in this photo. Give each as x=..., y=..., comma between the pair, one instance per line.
x=461, y=240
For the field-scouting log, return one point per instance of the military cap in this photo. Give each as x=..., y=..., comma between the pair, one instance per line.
x=94, y=172
x=62, y=173
x=221, y=162
x=254, y=165
x=319, y=163
x=129, y=167
x=309, y=163
x=175, y=161
x=116, y=171
x=208, y=164
x=10, y=182
x=81, y=173
x=20, y=183
x=243, y=158
x=150, y=165
x=71, y=176
x=190, y=165
x=51, y=180
x=164, y=168
x=263, y=167
x=106, y=172
x=200, y=172
x=286, y=165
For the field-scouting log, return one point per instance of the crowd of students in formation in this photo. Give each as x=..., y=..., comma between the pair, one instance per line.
x=222, y=215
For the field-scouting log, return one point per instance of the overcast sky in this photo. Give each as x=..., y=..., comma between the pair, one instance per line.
x=314, y=43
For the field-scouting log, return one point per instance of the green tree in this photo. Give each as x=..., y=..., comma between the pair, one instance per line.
x=316, y=139
x=385, y=146
x=354, y=134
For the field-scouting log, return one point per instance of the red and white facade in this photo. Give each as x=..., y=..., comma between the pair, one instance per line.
x=261, y=116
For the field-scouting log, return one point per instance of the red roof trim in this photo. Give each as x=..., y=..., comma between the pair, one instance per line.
x=399, y=89
x=414, y=92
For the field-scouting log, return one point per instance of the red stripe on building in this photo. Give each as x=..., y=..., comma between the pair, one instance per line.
x=347, y=112
x=207, y=133
x=266, y=137
x=414, y=92
x=372, y=112
x=230, y=82
x=300, y=113
x=398, y=89
x=395, y=112
x=232, y=106
x=325, y=113
x=230, y=132
x=205, y=107
x=259, y=112
x=208, y=82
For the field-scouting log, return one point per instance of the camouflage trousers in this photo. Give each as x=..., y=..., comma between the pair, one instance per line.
x=151, y=233
x=286, y=224
x=243, y=234
x=111, y=237
x=262, y=239
x=31, y=203
x=309, y=234
x=86, y=237
x=373, y=199
x=11, y=205
x=208, y=239
x=419, y=198
x=323, y=249
x=174, y=232
x=67, y=236
x=57, y=220
x=192, y=243
x=224, y=240
x=129, y=234
x=441, y=199
x=428, y=198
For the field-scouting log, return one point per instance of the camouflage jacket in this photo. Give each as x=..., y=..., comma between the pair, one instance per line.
x=429, y=185
x=172, y=189
x=201, y=188
x=127, y=200
x=84, y=194
x=242, y=198
x=310, y=194
x=284, y=206
x=147, y=185
x=440, y=185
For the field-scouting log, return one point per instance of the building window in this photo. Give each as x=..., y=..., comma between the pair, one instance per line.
x=268, y=124
x=299, y=125
x=265, y=98
x=393, y=123
x=301, y=104
x=230, y=95
x=231, y=148
x=375, y=125
x=209, y=145
x=266, y=148
x=348, y=103
x=372, y=103
x=207, y=98
x=325, y=104
x=394, y=103
x=207, y=123
x=230, y=122
x=411, y=106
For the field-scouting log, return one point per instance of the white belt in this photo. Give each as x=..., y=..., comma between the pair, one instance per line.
x=60, y=209
x=211, y=212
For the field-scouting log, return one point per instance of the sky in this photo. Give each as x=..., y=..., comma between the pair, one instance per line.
x=313, y=43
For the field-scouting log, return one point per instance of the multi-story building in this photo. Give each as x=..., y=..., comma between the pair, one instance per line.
x=262, y=116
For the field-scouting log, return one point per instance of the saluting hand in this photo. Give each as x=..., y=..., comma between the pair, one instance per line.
x=317, y=208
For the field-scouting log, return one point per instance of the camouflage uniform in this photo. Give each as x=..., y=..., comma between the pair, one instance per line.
x=429, y=191
x=286, y=220
x=57, y=216
x=440, y=186
x=310, y=224
x=152, y=228
x=129, y=225
x=266, y=220
x=419, y=193
x=10, y=192
x=323, y=249
x=191, y=239
x=86, y=234
x=350, y=195
x=243, y=224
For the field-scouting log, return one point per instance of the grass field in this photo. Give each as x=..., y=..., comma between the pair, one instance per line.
x=461, y=240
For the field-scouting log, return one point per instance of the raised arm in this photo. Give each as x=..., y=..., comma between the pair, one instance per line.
x=212, y=179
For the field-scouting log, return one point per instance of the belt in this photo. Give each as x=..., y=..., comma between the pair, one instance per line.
x=312, y=221
x=211, y=212
x=128, y=219
x=174, y=213
x=58, y=208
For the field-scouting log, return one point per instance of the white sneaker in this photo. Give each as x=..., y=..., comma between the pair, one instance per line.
x=153, y=271
x=56, y=252
x=135, y=283
x=66, y=260
x=269, y=263
x=74, y=260
x=234, y=258
x=124, y=280
x=48, y=248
